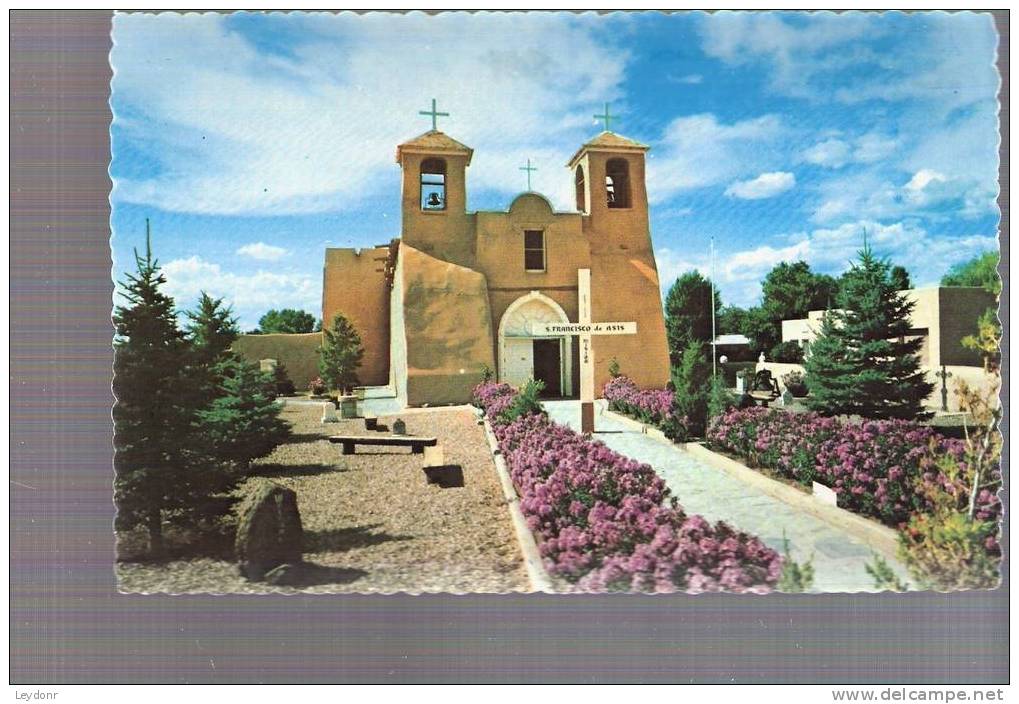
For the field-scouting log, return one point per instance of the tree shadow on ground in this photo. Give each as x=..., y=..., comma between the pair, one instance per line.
x=301, y=438
x=311, y=574
x=282, y=471
x=342, y=539
x=179, y=543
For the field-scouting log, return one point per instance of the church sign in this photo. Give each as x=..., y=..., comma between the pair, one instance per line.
x=628, y=328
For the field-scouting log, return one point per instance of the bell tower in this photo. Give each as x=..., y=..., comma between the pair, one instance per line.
x=434, y=201
x=611, y=195
x=611, y=192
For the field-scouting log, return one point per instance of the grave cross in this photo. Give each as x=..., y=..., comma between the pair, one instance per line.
x=528, y=169
x=434, y=114
x=606, y=118
x=943, y=375
x=585, y=329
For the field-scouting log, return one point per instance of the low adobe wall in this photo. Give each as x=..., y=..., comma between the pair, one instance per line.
x=298, y=353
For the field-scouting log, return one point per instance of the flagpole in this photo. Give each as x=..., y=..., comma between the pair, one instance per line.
x=714, y=335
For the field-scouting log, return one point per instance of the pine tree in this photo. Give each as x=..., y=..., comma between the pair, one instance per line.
x=212, y=328
x=862, y=361
x=242, y=422
x=161, y=472
x=340, y=354
x=239, y=419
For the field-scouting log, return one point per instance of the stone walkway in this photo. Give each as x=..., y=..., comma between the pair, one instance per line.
x=839, y=560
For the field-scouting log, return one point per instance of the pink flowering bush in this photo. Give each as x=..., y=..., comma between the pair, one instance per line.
x=877, y=468
x=652, y=406
x=607, y=522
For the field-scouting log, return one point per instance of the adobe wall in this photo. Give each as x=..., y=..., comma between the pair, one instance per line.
x=627, y=288
x=299, y=353
x=353, y=283
x=448, y=328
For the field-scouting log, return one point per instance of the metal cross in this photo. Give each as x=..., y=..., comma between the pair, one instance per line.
x=606, y=118
x=944, y=374
x=528, y=169
x=434, y=114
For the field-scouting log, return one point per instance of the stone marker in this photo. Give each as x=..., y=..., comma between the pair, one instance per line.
x=434, y=456
x=399, y=427
x=348, y=406
x=269, y=532
x=825, y=495
x=329, y=413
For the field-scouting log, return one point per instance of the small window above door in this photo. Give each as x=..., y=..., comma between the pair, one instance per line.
x=534, y=250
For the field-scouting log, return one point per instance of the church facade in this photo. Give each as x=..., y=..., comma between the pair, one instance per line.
x=459, y=291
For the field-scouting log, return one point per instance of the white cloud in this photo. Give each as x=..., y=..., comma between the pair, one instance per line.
x=698, y=150
x=238, y=130
x=690, y=79
x=834, y=152
x=262, y=251
x=250, y=295
x=766, y=185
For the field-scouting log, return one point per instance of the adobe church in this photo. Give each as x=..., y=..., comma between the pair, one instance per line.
x=461, y=291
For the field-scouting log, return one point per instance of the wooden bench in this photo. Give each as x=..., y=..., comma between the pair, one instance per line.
x=416, y=444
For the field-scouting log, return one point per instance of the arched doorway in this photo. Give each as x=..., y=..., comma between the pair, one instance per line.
x=524, y=355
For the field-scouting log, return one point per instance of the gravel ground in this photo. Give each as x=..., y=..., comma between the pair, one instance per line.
x=371, y=521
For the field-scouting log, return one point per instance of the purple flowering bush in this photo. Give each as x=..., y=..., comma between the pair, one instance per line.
x=608, y=523
x=652, y=406
x=883, y=469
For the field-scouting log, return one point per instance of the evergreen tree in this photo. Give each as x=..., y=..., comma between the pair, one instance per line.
x=239, y=419
x=691, y=379
x=688, y=313
x=161, y=473
x=900, y=278
x=212, y=328
x=862, y=362
x=242, y=422
x=340, y=354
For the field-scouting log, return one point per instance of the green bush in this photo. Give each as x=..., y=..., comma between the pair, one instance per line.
x=787, y=353
x=526, y=402
x=948, y=551
x=720, y=399
x=691, y=382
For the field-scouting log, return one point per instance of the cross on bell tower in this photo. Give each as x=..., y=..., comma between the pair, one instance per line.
x=434, y=113
x=528, y=169
x=607, y=118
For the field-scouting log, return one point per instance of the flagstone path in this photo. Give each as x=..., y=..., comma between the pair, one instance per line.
x=839, y=560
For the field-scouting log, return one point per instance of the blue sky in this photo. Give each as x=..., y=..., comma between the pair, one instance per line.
x=254, y=141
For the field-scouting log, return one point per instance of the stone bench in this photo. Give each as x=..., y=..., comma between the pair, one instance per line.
x=417, y=445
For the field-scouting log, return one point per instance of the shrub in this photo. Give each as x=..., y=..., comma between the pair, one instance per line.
x=787, y=352
x=946, y=550
x=524, y=403
x=720, y=399
x=614, y=368
x=282, y=383
x=317, y=387
x=795, y=577
x=691, y=378
x=796, y=383
x=606, y=522
x=340, y=354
